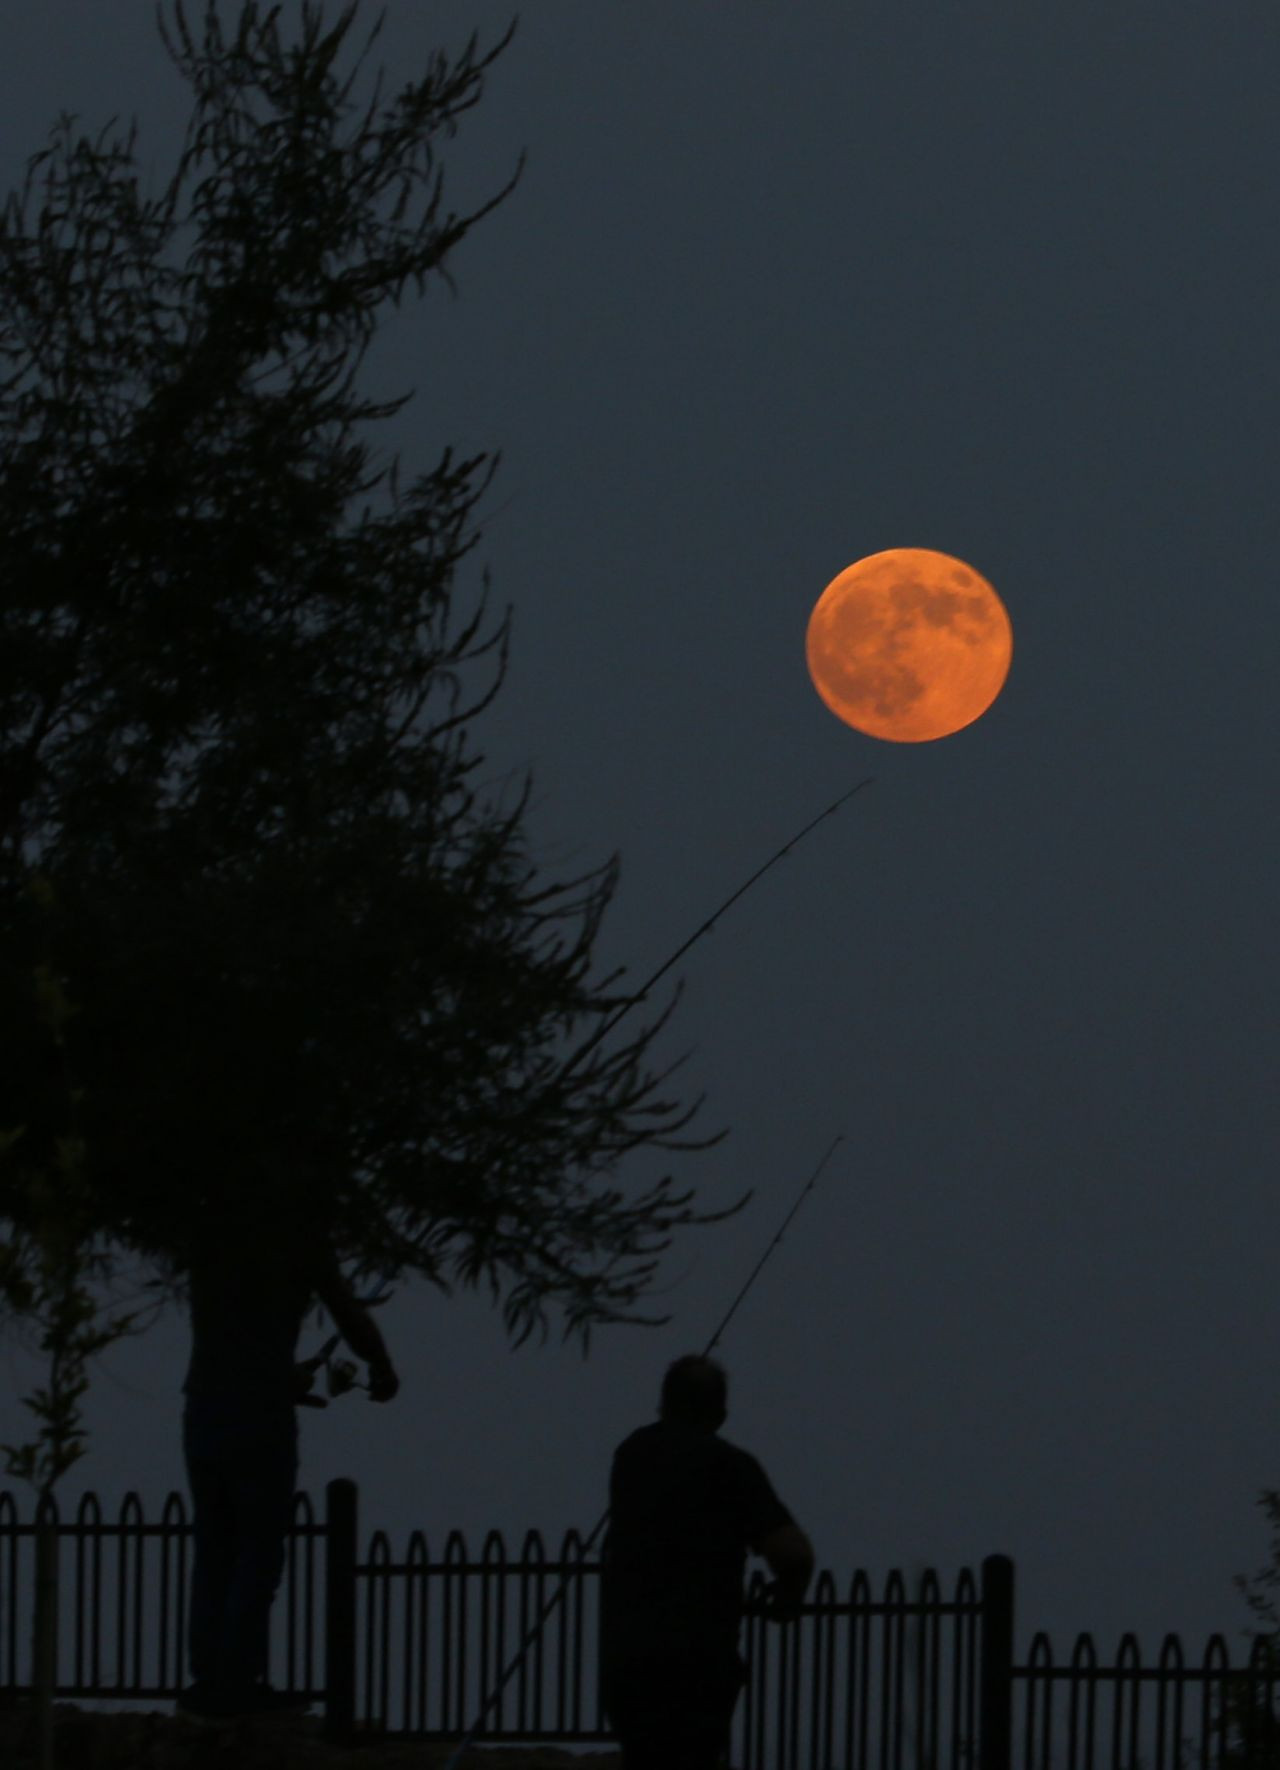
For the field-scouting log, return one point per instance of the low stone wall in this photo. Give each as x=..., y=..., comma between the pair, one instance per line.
x=149, y=1740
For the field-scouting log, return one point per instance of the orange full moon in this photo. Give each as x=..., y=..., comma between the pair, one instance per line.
x=909, y=645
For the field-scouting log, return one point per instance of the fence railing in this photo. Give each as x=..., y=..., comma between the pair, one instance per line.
x=1105, y=1707
x=907, y=1678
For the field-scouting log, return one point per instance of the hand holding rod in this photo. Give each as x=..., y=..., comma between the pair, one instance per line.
x=564, y=1584
x=305, y=1369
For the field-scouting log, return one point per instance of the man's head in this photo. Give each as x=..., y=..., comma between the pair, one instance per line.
x=695, y=1391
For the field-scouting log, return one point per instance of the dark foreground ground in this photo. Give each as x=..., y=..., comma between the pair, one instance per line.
x=149, y=1740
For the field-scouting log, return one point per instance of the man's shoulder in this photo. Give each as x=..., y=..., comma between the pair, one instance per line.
x=655, y=1438
x=762, y=1509
x=744, y=1466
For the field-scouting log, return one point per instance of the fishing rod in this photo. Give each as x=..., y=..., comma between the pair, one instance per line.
x=706, y=927
x=564, y=1584
x=342, y=1374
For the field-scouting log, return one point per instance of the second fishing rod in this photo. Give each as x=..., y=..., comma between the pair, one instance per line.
x=563, y=1588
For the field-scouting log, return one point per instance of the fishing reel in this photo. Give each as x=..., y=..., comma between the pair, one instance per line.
x=340, y=1376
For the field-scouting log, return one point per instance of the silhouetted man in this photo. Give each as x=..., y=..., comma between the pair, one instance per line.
x=240, y=1441
x=685, y=1506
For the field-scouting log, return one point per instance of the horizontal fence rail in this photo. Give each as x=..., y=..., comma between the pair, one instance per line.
x=415, y=1648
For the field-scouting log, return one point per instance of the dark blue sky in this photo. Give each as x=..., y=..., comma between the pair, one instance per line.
x=783, y=287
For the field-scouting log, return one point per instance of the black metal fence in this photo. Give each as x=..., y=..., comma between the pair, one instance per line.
x=1132, y=1716
x=416, y=1648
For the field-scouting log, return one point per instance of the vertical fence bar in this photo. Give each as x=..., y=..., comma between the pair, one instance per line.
x=300, y=1586
x=573, y=1548
x=996, y=1672
x=824, y=1680
x=87, y=1510
x=132, y=1520
x=928, y=1665
x=168, y=1636
x=1170, y=1682
x=1084, y=1676
x=377, y=1634
x=531, y=1555
x=340, y=1609
x=891, y=1673
x=9, y=1528
x=44, y=1644
x=964, y=1683
x=493, y=1557
x=1216, y=1650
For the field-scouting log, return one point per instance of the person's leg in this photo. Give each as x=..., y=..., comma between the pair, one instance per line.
x=704, y=1694
x=214, y=1544
x=673, y=1714
x=244, y=1465
x=263, y=1497
x=633, y=1693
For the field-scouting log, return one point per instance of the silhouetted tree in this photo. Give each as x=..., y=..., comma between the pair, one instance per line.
x=323, y=989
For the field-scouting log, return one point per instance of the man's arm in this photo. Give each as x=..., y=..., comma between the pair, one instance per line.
x=352, y=1319
x=790, y=1556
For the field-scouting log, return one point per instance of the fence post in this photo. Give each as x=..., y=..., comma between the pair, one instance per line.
x=340, y=1609
x=996, y=1672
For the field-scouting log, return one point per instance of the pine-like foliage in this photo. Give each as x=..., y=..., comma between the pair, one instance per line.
x=322, y=991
